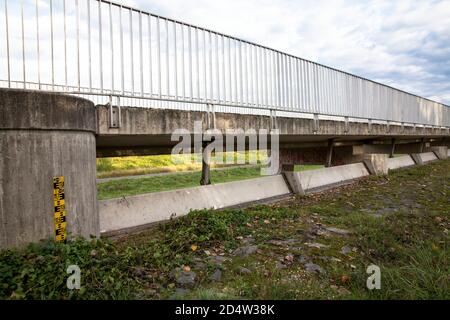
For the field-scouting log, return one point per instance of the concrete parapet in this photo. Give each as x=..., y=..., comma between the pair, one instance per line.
x=43, y=136
x=440, y=151
x=400, y=162
x=377, y=164
x=129, y=212
x=422, y=158
x=321, y=179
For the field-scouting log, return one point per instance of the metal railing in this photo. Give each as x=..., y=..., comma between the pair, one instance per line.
x=103, y=50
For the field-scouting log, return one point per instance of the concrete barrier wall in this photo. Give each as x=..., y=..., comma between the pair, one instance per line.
x=400, y=162
x=321, y=179
x=422, y=158
x=129, y=212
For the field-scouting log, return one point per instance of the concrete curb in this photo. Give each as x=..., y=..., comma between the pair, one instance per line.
x=422, y=158
x=400, y=162
x=129, y=212
x=322, y=179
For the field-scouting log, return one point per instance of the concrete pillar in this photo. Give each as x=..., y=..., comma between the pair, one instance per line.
x=376, y=164
x=329, y=153
x=440, y=151
x=43, y=136
x=206, y=167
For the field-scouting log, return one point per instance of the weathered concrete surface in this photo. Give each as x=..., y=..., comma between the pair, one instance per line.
x=43, y=136
x=129, y=212
x=440, y=151
x=321, y=179
x=377, y=164
x=422, y=158
x=148, y=131
x=400, y=162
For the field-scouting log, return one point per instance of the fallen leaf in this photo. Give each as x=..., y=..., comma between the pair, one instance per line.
x=194, y=247
x=186, y=268
x=345, y=278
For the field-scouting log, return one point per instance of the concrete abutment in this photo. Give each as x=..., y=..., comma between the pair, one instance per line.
x=43, y=136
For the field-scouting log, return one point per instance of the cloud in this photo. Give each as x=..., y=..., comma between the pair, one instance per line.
x=403, y=43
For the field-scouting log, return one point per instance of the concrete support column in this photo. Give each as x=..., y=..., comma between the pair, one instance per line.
x=329, y=153
x=391, y=154
x=206, y=167
x=43, y=136
x=440, y=151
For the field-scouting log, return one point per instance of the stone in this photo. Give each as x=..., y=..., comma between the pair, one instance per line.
x=316, y=245
x=338, y=231
x=218, y=260
x=314, y=268
x=346, y=250
x=243, y=270
x=187, y=278
x=245, y=251
x=216, y=276
x=303, y=259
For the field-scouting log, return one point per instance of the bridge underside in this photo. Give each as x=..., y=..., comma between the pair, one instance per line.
x=148, y=132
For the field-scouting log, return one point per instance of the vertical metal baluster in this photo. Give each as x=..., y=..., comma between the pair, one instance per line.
x=204, y=66
x=167, y=59
x=150, y=60
x=198, y=64
x=89, y=43
x=78, y=45
x=100, y=35
x=217, y=67
x=38, y=45
x=175, y=58
x=65, y=45
x=158, y=31
x=246, y=73
x=283, y=81
x=191, y=80
x=183, y=80
x=51, y=44
x=224, y=85
x=132, y=51
x=23, y=46
x=141, y=55
x=252, y=88
x=229, y=70
x=211, y=84
x=241, y=82
x=297, y=68
x=7, y=44
x=236, y=92
x=266, y=74
x=111, y=36
x=122, y=62
x=257, y=74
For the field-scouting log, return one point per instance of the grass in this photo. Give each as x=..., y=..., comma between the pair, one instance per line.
x=129, y=187
x=399, y=222
x=139, y=165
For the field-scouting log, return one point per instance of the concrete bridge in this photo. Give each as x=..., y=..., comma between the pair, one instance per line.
x=185, y=75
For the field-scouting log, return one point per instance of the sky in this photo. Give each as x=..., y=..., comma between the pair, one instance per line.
x=405, y=44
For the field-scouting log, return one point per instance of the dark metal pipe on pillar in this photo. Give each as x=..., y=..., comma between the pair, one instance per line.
x=206, y=167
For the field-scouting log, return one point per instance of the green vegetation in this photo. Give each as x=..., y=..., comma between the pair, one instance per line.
x=399, y=222
x=129, y=187
x=129, y=166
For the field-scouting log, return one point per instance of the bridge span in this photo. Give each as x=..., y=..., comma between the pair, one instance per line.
x=144, y=77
